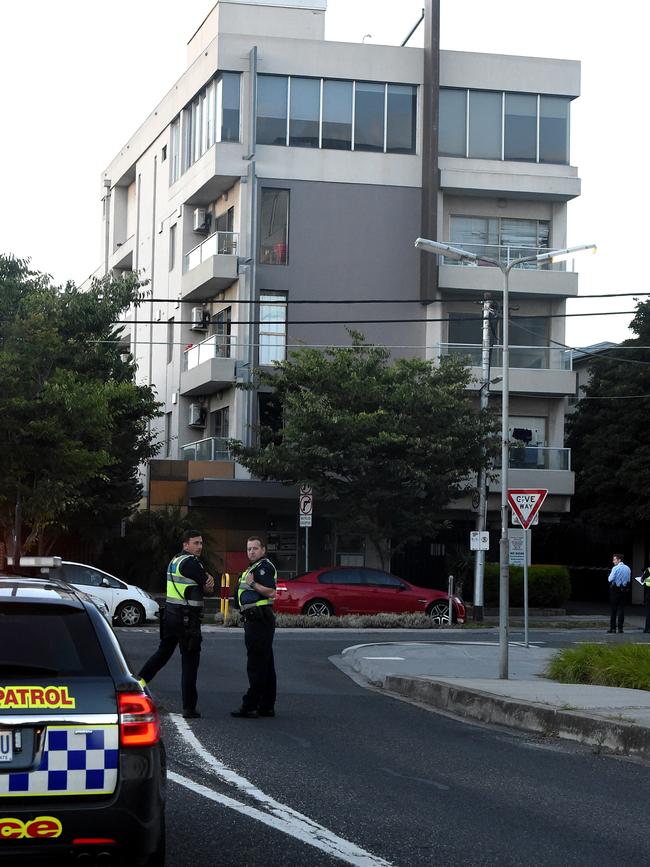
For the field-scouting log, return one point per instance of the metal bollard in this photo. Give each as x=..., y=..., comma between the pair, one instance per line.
x=450, y=593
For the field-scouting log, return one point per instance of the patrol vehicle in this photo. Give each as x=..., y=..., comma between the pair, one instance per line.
x=82, y=764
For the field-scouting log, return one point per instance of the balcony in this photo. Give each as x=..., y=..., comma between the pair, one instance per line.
x=210, y=267
x=121, y=258
x=208, y=366
x=209, y=449
x=543, y=370
x=549, y=182
x=536, y=467
x=528, y=278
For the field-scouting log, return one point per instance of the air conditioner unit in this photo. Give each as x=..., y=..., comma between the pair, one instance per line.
x=198, y=415
x=200, y=319
x=201, y=220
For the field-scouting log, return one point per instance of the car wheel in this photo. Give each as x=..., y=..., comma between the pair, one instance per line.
x=439, y=612
x=130, y=613
x=318, y=608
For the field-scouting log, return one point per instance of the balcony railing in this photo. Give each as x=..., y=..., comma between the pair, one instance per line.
x=522, y=457
x=218, y=244
x=217, y=346
x=527, y=357
x=505, y=254
x=209, y=449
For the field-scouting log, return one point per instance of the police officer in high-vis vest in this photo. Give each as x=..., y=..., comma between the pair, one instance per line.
x=187, y=581
x=254, y=598
x=645, y=578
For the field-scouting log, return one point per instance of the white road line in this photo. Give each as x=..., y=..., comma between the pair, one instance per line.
x=273, y=813
x=397, y=658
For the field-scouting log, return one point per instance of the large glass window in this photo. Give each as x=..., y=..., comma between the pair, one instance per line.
x=401, y=120
x=228, y=101
x=452, y=123
x=175, y=150
x=465, y=329
x=304, y=118
x=554, y=129
x=479, y=235
x=503, y=238
x=272, y=109
x=520, y=127
x=274, y=227
x=485, y=124
x=337, y=114
x=273, y=327
x=369, y=116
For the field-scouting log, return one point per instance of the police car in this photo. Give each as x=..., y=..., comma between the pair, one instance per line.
x=82, y=764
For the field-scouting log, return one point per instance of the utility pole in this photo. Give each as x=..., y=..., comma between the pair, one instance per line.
x=481, y=517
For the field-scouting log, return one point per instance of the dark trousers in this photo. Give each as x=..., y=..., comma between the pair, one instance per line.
x=616, y=606
x=646, y=596
x=262, y=683
x=175, y=632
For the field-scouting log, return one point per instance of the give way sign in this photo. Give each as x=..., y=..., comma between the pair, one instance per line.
x=526, y=503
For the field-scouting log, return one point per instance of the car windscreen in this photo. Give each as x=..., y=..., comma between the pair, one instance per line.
x=55, y=640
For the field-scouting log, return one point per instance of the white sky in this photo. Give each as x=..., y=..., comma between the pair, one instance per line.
x=79, y=76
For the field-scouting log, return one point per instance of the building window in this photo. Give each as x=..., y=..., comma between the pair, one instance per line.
x=170, y=340
x=228, y=102
x=535, y=128
x=502, y=238
x=554, y=129
x=163, y=156
x=273, y=327
x=175, y=148
x=520, y=127
x=272, y=109
x=274, y=228
x=337, y=115
x=485, y=124
x=220, y=423
x=212, y=116
x=304, y=115
x=401, y=119
x=369, y=103
x=172, y=247
x=221, y=323
x=452, y=137
x=168, y=434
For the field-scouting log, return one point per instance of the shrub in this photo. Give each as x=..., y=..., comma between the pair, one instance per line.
x=623, y=665
x=548, y=586
x=348, y=621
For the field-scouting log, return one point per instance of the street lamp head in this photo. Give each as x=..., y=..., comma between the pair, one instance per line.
x=444, y=250
x=567, y=253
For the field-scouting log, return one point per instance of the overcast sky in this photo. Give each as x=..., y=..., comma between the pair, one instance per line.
x=79, y=77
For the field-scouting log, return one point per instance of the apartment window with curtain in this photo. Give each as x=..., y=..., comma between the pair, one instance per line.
x=503, y=238
x=274, y=227
x=273, y=327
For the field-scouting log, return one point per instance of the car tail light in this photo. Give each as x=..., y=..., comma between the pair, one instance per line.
x=139, y=722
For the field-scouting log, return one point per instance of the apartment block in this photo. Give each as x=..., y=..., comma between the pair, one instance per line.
x=282, y=170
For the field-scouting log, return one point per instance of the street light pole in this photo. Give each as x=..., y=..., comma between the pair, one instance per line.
x=461, y=255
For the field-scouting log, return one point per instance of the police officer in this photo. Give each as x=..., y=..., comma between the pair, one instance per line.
x=645, y=578
x=187, y=581
x=254, y=598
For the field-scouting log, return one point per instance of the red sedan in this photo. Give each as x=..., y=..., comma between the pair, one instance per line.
x=339, y=590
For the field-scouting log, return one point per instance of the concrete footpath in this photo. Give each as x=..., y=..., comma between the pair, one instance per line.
x=461, y=679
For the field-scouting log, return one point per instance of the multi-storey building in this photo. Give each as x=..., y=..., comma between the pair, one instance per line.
x=283, y=169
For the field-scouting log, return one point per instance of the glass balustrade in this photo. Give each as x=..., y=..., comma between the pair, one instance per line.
x=525, y=357
x=505, y=254
x=218, y=244
x=217, y=346
x=523, y=457
x=209, y=449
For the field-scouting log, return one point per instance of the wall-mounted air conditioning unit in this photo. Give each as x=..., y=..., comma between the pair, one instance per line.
x=201, y=220
x=198, y=415
x=200, y=319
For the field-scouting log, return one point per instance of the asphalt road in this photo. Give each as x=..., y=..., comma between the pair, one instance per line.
x=348, y=775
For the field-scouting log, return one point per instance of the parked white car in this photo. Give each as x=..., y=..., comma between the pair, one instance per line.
x=128, y=605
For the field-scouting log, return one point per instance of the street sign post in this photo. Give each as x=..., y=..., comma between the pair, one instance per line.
x=479, y=540
x=305, y=510
x=525, y=504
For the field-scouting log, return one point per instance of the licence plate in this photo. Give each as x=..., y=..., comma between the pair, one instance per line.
x=6, y=746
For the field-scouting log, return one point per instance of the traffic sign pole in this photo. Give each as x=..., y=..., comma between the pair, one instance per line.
x=526, y=587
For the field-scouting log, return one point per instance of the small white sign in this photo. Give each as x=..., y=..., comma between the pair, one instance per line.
x=305, y=520
x=516, y=547
x=479, y=540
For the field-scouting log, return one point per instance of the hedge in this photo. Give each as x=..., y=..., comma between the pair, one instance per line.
x=548, y=586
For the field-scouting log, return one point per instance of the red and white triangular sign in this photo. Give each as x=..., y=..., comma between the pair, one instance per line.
x=526, y=503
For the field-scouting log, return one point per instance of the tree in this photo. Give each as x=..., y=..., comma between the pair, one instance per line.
x=608, y=437
x=73, y=424
x=385, y=444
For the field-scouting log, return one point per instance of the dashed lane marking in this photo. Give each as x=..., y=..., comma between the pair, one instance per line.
x=270, y=812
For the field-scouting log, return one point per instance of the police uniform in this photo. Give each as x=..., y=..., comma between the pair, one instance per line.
x=181, y=625
x=259, y=629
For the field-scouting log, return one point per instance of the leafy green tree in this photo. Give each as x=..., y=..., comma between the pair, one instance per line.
x=385, y=444
x=608, y=436
x=73, y=424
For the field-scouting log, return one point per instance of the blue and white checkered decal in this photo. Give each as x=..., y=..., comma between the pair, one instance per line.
x=77, y=760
